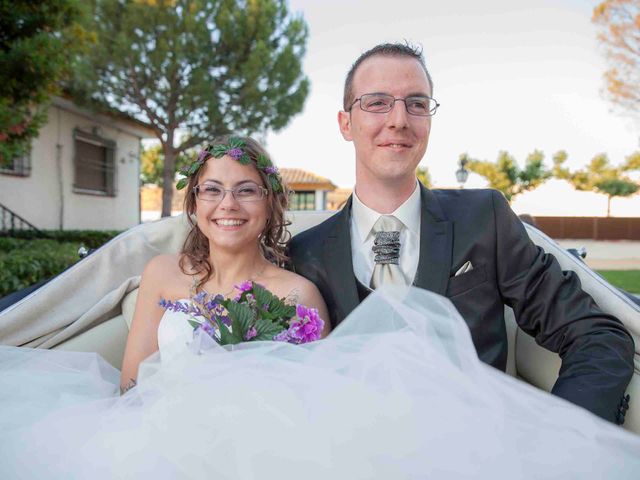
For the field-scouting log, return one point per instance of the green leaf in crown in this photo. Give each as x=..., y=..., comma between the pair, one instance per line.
x=193, y=168
x=245, y=159
x=263, y=162
x=276, y=186
x=182, y=183
x=235, y=143
x=219, y=150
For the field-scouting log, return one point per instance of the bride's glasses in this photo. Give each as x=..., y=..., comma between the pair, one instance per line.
x=245, y=192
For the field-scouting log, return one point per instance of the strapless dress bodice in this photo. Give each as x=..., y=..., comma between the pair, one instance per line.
x=175, y=332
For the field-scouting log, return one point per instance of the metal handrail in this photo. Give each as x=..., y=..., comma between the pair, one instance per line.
x=10, y=221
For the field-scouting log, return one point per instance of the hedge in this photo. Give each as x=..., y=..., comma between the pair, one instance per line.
x=88, y=238
x=28, y=257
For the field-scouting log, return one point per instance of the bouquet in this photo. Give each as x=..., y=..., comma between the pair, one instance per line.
x=254, y=314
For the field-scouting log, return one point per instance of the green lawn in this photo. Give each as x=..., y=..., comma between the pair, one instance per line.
x=628, y=280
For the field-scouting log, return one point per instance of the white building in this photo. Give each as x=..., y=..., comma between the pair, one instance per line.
x=82, y=172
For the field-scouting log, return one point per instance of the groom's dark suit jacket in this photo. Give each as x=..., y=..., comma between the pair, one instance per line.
x=479, y=226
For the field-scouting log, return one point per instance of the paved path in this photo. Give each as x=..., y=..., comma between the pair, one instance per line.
x=613, y=255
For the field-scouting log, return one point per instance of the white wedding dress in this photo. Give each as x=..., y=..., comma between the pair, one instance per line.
x=396, y=391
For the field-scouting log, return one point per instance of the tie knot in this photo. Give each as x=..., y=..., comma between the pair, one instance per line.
x=386, y=245
x=387, y=223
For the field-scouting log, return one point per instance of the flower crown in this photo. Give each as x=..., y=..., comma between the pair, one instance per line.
x=235, y=150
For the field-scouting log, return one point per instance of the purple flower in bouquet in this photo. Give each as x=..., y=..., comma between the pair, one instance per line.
x=209, y=329
x=245, y=286
x=305, y=327
x=251, y=333
x=270, y=170
x=200, y=297
x=177, y=306
x=255, y=314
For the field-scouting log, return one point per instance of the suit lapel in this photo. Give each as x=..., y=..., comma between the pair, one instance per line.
x=339, y=263
x=436, y=245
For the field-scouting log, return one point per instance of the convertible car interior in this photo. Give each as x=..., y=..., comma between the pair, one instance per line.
x=89, y=307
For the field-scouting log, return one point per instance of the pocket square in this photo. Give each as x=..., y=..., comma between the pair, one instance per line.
x=467, y=267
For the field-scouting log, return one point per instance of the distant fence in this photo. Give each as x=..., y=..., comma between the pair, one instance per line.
x=597, y=228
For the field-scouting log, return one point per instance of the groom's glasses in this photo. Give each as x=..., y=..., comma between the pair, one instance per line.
x=245, y=192
x=419, y=105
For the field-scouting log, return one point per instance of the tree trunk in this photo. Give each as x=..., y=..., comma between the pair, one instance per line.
x=608, y=206
x=168, y=177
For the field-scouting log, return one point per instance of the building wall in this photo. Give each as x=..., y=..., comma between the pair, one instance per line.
x=46, y=197
x=321, y=200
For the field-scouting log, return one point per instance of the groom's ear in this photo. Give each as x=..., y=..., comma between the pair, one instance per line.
x=344, y=122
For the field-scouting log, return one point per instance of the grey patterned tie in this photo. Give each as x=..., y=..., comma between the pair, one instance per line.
x=386, y=248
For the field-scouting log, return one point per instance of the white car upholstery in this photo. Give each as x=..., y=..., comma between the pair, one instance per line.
x=526, y=359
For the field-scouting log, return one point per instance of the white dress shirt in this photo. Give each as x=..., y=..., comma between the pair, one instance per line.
x=362, y=220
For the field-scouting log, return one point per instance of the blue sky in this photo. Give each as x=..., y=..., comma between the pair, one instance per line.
x=510, y=75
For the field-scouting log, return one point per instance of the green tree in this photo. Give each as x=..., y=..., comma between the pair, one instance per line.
x=197, y=69
x=505, y=175
x=619, y=33
x=38, y=43
x=424, y=176
x=632, y=162
x=152, y=164
x=599, y=176
x=616, y=187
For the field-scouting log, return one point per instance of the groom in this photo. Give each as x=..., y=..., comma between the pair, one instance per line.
x=464, y=244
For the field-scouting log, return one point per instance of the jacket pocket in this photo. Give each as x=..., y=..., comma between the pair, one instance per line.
x=466, y=281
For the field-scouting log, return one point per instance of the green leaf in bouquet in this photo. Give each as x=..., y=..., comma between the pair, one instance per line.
x=282, y=310
x=242, y=318
x=266, y=329
x=263, y=296
x=226, y=336
x=194, y=324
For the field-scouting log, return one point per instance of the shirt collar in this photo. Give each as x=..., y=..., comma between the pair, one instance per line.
x=408, y=213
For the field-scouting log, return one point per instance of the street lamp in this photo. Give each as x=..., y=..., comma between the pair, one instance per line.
x=462, y=173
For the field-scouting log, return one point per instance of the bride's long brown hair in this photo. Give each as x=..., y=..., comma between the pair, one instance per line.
x=194, y=255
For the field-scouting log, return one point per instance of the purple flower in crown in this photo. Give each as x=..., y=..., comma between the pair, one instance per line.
x=236, y=153
x=270, y=170
x=203, y=155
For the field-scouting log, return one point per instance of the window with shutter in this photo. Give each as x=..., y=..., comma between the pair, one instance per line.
x=94, y=162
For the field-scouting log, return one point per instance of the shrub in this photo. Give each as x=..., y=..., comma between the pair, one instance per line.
x=88, y=238
x=28, y=257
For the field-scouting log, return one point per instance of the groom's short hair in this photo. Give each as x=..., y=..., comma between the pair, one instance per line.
x=384, y=49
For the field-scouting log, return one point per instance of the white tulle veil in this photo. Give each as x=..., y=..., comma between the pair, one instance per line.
x=396, y=391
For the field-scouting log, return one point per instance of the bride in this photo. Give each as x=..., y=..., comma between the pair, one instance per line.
x=237, y=235
x=396, y=391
